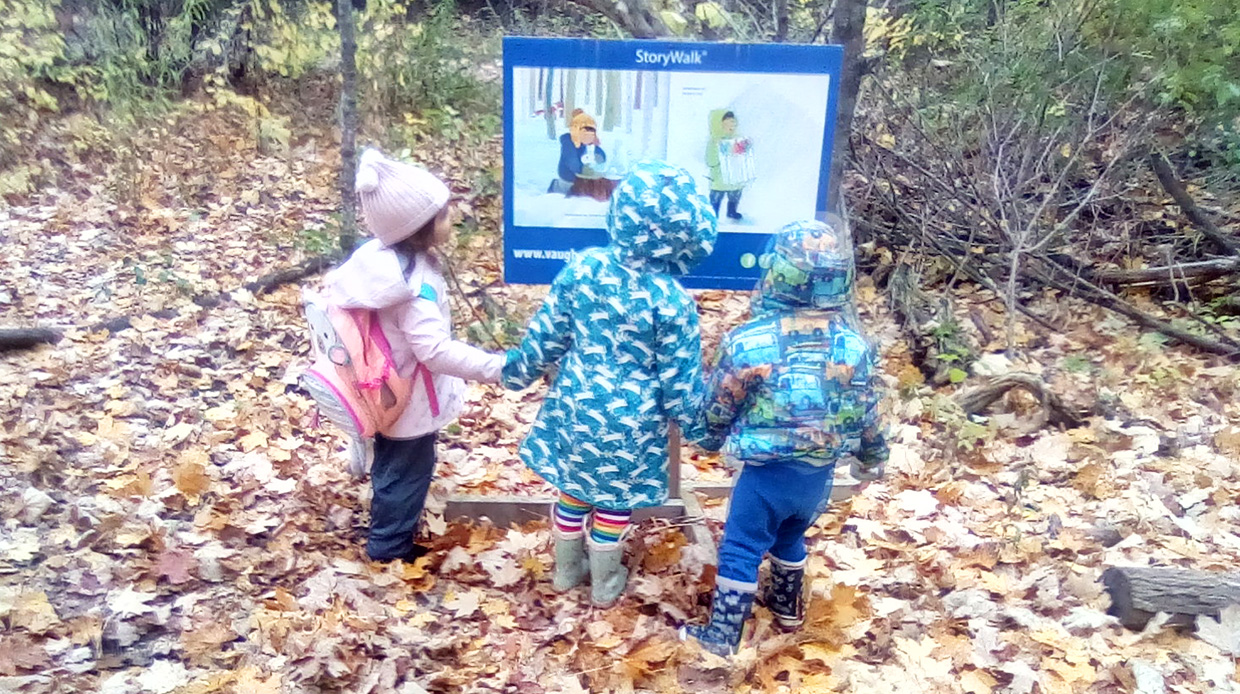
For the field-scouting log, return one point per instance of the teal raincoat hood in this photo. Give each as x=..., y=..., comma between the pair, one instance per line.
x=658, y=222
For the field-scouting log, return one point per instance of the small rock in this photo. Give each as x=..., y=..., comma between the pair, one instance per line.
x=1106, y=534
x=993, y=364
x=35, y=503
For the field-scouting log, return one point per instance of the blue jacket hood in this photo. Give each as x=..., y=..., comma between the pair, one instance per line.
x=808, y=265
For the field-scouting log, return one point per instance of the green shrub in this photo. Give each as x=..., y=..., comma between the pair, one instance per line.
x=419, y=66
x=1191, y=46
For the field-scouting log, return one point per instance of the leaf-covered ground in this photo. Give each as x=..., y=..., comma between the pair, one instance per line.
x=171, y=522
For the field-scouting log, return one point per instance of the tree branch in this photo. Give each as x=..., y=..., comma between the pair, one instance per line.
x=1171, y=274
x=634, y=16
x=1172, y=184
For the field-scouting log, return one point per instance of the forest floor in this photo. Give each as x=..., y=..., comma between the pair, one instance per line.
x=170, y=522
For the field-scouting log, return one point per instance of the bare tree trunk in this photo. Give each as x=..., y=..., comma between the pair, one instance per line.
x=847, y=30
x=781, y=20
x=348, y=125
x=615, y=92
x=598, y=94
x=549, y=103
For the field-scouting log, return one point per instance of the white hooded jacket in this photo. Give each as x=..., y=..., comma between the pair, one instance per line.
x=415, y=317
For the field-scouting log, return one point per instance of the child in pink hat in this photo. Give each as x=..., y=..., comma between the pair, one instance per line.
x=398, y=275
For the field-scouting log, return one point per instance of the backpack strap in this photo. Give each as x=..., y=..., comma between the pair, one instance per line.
x=432, y=398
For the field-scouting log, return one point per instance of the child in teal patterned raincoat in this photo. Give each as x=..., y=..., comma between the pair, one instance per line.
x=625, y=336
x=795, y=389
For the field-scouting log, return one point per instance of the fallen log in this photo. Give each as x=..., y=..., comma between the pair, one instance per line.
x=975, y=400
x=304, y=269
x=1171, y=274
x=1139, y=593
x=25, y=338
x=1099, y=296
x=1171, y=183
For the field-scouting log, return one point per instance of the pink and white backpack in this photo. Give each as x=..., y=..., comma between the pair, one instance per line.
x=353, y=379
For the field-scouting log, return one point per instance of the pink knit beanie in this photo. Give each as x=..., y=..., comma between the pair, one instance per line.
x=397, y=198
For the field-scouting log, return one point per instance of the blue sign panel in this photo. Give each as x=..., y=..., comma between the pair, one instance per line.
x=753, y=123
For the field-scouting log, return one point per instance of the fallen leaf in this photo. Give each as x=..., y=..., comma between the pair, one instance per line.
x=20, y=652
x=977, y=682
x=128, y=602
x=203, y=641
x=176, y=566
x=665, y=553
x=463, y=604
x=163, y=676
x=1222, y=633
x=178, y=433
x=190, y=478
x=34, y=613
x=254, y=439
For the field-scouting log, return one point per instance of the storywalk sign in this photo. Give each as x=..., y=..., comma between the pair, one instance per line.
x=752, y=122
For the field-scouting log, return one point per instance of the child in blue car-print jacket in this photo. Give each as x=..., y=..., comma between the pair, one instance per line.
x=625, y=336
x=795, y=389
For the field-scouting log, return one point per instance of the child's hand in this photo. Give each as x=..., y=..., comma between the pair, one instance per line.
x=711, y=443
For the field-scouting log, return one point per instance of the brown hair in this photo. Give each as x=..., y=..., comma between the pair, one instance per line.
x=420, y=241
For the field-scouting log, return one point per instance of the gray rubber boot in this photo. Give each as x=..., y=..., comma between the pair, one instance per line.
x=608, y=575
x=571, y=564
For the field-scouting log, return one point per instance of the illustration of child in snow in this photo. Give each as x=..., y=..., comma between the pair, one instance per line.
x=730, y=158
x=794, y=390
x=581, y=161
x=624, y=335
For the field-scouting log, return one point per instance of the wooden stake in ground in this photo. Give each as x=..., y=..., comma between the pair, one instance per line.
x=348, y=125
x=1138, y=593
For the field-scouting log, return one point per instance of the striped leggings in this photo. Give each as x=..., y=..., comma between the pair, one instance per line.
x=606, y=525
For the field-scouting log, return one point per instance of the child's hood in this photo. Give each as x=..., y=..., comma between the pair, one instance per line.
x=658, y=220
x=371, y=278
x=810, y=266
x=716, y=123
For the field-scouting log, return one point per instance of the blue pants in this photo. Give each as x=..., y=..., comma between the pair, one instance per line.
x=771, y=508
x=400, y=478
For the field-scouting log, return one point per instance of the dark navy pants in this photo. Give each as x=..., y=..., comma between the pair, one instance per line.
x=771, y=508
x=734, y=199
x=400, y=477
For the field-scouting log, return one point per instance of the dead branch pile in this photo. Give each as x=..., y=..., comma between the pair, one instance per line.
x=1019, y=202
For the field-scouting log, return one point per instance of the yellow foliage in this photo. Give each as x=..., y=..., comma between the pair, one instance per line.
x=885, y=34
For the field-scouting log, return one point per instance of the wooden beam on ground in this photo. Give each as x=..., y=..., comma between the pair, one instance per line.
x=25, y=338
x=506, y=510
x=1139, y=593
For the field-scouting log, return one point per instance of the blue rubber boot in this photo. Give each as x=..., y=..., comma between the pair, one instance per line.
x=783, y=595
x=731, y=607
